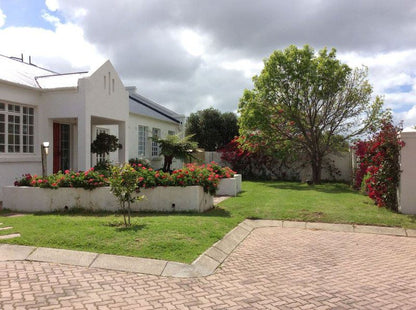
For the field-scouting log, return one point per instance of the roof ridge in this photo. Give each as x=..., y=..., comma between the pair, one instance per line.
x=157, y=104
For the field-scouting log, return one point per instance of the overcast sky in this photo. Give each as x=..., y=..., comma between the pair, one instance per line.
x=194, y=54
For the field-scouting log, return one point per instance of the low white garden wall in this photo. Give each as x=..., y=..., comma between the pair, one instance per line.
x=171, y=198
x=230, y=186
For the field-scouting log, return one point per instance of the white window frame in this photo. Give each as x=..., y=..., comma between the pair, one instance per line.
x=142, y=137
x=17, y=128
x=156, y=133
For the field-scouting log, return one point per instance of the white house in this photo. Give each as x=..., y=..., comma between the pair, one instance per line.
x=67, y=110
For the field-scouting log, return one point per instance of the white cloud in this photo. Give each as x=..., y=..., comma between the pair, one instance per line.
x=51, y=19
x=389, y=72
x=194, y=43
x=52, y=5
x=2, y=18
x=65, y=48
x=248, y=67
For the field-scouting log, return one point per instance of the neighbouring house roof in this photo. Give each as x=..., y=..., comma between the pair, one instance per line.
x=144, y=106
x=16, y=71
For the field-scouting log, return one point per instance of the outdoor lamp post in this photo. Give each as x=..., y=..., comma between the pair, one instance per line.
x=44, y=152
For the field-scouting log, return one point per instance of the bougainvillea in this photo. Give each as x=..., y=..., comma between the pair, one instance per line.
x=379, y=166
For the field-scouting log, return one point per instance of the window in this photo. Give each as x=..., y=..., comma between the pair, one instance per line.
x=155, y=145
x=142, y=134
x=171, y=133
x=16, y=128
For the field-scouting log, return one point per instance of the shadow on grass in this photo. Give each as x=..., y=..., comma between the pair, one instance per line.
x=329, y=188
x=134, y=228
x=214, y=212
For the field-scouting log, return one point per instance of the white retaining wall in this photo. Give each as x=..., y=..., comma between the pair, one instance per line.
x=230, y=186
x=171, y=198
x=342, y=162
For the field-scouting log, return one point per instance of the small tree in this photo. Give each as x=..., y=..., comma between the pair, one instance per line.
x=175, y=147
x=123, y=184
x=104, y=144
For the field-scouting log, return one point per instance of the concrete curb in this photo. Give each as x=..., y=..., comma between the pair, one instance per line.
x=205, y=265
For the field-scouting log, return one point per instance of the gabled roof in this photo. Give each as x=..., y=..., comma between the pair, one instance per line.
x=16, y=71
x=144, y=106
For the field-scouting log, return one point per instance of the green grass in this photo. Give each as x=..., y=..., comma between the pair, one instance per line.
x=182, y=237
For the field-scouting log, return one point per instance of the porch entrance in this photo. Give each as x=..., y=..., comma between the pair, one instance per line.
x=61, y=147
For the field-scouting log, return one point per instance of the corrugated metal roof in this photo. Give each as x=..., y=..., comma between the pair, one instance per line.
x=19, y=72
x=16, y=71
x=144, y=106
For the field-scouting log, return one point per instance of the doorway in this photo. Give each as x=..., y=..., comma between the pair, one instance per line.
x=61, y=147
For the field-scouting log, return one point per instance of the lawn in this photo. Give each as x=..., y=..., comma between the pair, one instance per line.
x=183, y=236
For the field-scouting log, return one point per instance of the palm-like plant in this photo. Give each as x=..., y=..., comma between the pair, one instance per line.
x=174, y=146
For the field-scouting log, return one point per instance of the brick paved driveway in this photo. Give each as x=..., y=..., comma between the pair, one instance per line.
x=274, y=268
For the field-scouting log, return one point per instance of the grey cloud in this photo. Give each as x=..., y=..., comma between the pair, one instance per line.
x=139, y=38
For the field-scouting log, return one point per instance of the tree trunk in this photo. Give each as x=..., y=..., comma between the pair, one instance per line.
x=167, y=163
x=316, y=170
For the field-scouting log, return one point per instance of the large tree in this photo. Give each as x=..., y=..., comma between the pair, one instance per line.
x=308, y=104
x=211, y=128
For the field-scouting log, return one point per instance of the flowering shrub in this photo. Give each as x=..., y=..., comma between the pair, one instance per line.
x=253, y=158
x=89, y=179
x=136, y=162
x=207, y=176
x=379, y=165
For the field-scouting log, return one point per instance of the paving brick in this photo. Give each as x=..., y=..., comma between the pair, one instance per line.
x=396, y=231
x=273, y=268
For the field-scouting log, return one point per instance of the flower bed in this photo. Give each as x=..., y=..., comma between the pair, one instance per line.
x=188, y=189
x=207, y=176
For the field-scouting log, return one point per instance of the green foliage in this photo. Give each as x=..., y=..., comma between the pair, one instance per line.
x=211, y=128
x=104, y=144
x=123, y=184
x=104, y=167
x=175, y=147
x=307, y=104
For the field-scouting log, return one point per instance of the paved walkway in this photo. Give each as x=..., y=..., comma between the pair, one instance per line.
x=271, y=265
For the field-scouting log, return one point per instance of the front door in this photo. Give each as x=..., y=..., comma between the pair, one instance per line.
x=61, y=147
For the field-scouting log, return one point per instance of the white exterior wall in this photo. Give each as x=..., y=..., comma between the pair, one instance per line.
x=407, y=188
x=134, y=121
x=93, y=102
x=107, y=98
x=13, y=166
